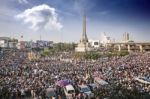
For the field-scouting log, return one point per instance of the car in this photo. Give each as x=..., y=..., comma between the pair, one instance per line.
x=51, y=92
x=92, y=86
x=69, y=91
x=85, y=90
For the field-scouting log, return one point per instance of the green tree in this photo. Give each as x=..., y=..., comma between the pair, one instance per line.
x=64, y=47
x=45, y=52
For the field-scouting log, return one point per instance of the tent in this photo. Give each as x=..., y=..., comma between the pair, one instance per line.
x=62, y=83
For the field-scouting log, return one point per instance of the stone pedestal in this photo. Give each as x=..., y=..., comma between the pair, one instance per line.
x=82, y=47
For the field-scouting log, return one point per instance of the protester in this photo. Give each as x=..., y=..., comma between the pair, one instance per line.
x=21, y=78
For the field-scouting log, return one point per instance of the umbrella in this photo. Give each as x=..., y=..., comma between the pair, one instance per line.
x=50, y=92
x=62, y=83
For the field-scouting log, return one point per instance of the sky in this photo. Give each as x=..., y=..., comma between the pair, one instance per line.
x=61, y=20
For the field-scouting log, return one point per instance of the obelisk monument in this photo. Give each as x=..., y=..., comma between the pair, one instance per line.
x=83, y=45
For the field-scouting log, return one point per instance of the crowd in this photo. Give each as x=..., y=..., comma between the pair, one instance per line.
x=21, y=78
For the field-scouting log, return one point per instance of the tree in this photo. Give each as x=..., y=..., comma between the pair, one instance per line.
x=123, y=53
x=64, y=47
x=45, y=52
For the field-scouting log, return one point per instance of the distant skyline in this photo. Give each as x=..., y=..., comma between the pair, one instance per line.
x=61, y=20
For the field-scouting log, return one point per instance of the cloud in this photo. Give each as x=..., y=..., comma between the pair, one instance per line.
x=23, y=1
x=41, y=17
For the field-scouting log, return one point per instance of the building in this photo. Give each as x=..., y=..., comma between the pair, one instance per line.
x=43, y=44
x=84, y=44
x=95, y=43
x=130, y=46
x=126, y=37
x=6, y=42
x=105, y=39
x=125, y=45
x=21, y=44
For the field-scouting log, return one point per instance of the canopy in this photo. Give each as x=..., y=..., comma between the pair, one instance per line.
x=62, y=83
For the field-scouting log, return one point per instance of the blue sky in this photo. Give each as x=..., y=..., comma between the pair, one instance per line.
x=61, y=20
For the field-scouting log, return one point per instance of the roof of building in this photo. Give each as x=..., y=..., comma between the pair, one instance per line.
x=5, y=38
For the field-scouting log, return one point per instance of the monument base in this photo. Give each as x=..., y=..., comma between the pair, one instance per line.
x=83, y=47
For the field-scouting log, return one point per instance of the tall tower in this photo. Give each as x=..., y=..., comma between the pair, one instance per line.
x=84, y=38
x=126, y=37
x=83, y=45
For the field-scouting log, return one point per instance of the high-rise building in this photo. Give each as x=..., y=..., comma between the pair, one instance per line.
x=126, y=37
x=21, y=43
x=105, y=39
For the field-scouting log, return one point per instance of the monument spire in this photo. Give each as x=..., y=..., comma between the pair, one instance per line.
x=84, y=35
x=83, y=45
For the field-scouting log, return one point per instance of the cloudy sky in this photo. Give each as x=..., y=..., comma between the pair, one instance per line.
x=61, y=20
